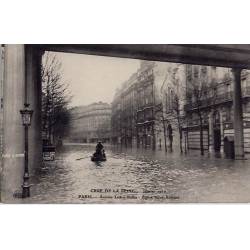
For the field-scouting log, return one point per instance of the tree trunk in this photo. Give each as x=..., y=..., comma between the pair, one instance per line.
x=153, y=138
x=171, y=143
x=125, y=138
x=185, y=141
x=201, y=135
x=180, y=133
x=165, y=136
x=50, y=133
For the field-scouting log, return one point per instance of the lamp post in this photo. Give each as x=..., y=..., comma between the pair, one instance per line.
x=26, y=119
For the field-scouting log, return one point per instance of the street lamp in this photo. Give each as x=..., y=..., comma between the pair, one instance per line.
x=26, y=119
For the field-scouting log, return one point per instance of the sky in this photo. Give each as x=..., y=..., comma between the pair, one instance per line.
x=95, y=78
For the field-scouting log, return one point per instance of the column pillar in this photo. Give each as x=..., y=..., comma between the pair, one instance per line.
x=34, y=93
x=1, y=98
x=13, y=137
x=238, y=114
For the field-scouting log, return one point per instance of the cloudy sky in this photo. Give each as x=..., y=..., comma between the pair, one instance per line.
x=95, y=78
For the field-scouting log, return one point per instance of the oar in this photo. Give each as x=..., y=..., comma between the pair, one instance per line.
x=82, y=158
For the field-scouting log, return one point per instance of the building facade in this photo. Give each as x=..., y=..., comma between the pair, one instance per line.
x=145, y=99
x=91, y=123
x=167, y=104
x=173, y=100
x=216, y=107
x=116, y=125
x=138, y=109
x=123, y=120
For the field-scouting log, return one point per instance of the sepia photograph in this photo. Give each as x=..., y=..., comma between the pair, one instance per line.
x=125, y=123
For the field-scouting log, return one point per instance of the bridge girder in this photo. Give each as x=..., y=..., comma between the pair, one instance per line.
x=220, y=55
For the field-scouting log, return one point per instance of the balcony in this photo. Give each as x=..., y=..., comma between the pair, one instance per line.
x=144, y=107
x=246, y=91
x=145, y=121
x=220, y=99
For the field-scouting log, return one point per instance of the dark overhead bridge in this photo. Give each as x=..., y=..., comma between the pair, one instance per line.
x=220, y=55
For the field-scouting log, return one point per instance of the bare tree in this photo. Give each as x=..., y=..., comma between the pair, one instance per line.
x=178, y=116
x=164, y=130
x=178, y=98
x=55, y=99
x=163, y=117
x=202, y=93
x=198, y=91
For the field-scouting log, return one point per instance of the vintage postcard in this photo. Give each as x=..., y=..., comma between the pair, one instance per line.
x=125, y=123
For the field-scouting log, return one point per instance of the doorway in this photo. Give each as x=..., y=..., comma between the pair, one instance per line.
x=217, y=140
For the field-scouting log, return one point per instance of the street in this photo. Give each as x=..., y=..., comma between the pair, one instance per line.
x=139, y=176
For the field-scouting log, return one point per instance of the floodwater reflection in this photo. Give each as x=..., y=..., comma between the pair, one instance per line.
x=155, y=177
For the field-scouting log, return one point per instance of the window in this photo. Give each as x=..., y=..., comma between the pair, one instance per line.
x=228, y=115
x=196, y=71
x=228, y=91
x=204, y=70
x=243, y=83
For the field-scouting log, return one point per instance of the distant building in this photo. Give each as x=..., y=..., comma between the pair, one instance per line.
x=116, y=125
x=91, y=123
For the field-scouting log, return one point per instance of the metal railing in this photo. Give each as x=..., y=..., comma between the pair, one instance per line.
x=222, y=98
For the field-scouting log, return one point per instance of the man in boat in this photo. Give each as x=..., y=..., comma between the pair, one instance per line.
x=99, y=154
x=99, y=148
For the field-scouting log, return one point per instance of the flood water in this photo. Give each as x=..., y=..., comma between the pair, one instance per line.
x=139, y=176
